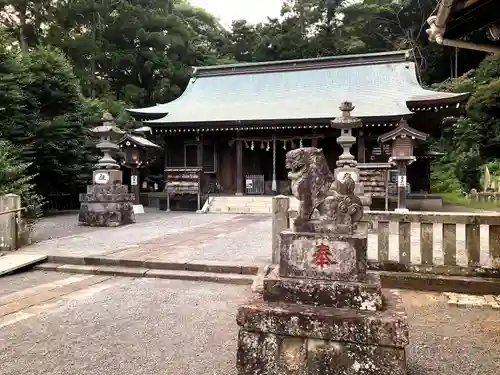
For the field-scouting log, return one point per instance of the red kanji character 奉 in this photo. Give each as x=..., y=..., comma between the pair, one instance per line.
x=322, y=255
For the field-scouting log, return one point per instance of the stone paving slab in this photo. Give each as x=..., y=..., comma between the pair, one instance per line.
x=466, y=300
x=181, y=247
x=143, y=239
x=21, y=281
x=251, y=245
x=10, y=304
x=12, y=262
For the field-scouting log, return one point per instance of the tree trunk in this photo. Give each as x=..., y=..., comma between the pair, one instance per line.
x=22, y=27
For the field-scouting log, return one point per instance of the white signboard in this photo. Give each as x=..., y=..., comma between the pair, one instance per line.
x=401, y=181
x=101, y=178
x=249, y=184
x=133, y=180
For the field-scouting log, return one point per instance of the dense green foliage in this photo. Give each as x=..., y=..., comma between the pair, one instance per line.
x=62, y=63
x=473, y=140
x=15, y=177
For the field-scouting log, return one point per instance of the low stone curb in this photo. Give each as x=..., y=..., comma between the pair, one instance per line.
x=440, y=283
x=237, y=279
x=206, y=266
x=213, y=270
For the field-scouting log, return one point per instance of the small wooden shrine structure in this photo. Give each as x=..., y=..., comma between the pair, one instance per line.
x=402, y=138
x=183, y=183
x=135, y=149
x=237, y=121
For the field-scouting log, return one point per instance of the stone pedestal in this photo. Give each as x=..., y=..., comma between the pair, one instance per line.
x=106, y=205
x=322, y=313
x=111, y=176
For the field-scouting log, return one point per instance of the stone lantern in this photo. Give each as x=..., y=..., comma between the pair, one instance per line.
x=107, y=169
x=107, y=202
x=347, y=162
x=135, y=148
x=403, y=138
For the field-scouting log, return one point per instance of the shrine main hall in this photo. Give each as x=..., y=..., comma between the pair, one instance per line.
x=236, y=122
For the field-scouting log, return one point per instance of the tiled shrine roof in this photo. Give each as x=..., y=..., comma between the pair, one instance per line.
x=382, y=86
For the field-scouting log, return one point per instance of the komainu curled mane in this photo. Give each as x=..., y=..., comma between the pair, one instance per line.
x=316, y=189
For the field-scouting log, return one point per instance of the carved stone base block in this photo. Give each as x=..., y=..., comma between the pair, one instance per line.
x=295, y=339
x=106, y=206
x=338, y=294
x=114, y=176
x=323, y=256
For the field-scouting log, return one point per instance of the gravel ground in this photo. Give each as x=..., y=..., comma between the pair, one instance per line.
x=151, y=326
x=142, y=327
x=93, y=241
x=16, y=282
x=447, y=340
x=56, y=226
x=66, y=224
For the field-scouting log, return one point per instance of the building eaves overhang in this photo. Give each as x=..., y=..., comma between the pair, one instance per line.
x=455, y=19
x=468, y=16
x=381, y=86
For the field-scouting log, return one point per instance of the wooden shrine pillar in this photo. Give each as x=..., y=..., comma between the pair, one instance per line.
x=361, y=147
x=239, y=167
x=274, y=183
x=166, y=162
x=402, y=181
x=199, y=154
x=199, y=162
x=135, y=184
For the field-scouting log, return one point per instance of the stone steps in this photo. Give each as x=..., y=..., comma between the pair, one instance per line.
x=241, y=205
x=245, y=204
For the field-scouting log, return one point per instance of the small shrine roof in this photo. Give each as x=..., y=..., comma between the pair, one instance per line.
x=403, y=128
x=380, y=85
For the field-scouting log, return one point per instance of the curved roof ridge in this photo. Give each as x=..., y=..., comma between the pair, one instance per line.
x=300, y=64
x=378, y=88
x=154, y=109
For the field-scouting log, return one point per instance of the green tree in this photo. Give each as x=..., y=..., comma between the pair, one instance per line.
x=15, y=178
x=25, y=19
x=141, y=52
x=46, y=116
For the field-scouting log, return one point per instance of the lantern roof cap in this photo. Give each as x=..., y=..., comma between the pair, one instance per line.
x=402, y=130
x=346, y=121
x=107, y=127
x=137, y=140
